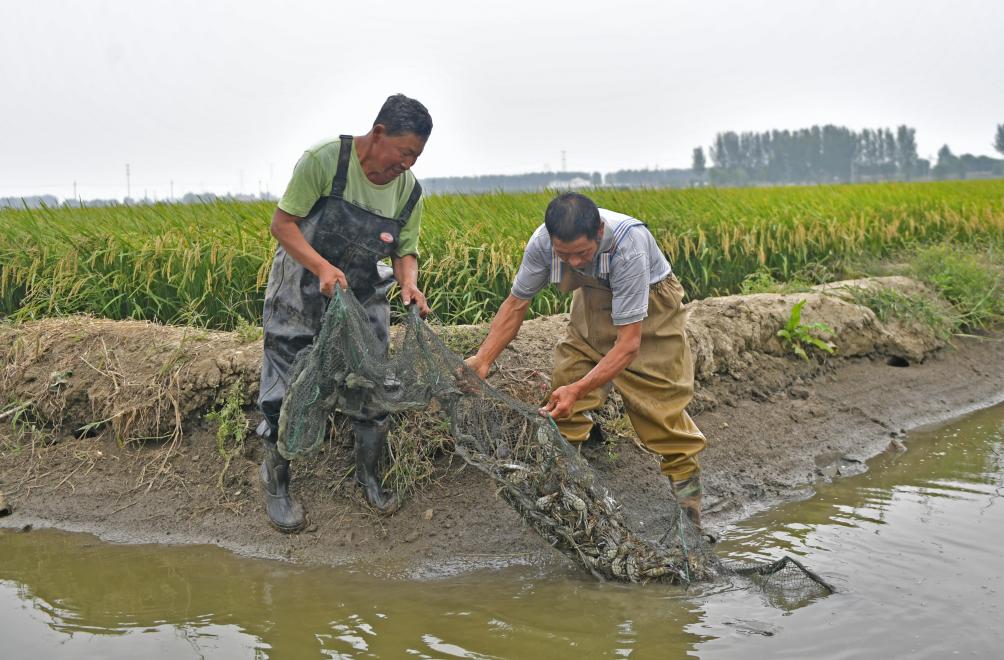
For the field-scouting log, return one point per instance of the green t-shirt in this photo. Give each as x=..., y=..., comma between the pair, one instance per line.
x=312, y=178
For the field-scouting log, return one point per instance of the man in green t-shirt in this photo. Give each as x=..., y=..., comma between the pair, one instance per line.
x=351, y=203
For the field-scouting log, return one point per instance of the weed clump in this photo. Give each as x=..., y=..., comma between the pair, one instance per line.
x=973, y=282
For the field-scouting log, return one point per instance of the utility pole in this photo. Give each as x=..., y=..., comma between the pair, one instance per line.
x=128, y=182
x=172, y=190
x=563, y=167
x=74, y=191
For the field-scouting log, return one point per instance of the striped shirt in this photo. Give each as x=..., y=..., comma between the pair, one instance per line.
x=629, y=261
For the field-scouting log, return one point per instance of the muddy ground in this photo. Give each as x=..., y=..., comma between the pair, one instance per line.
x=78, y=395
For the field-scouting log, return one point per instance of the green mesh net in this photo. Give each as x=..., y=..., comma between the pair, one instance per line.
x=540, y=474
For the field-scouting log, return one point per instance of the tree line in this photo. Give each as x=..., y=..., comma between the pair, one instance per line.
x=833, y=154
x=820, y=154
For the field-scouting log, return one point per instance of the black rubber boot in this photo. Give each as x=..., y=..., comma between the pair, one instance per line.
x=371, y=437
x=285, y=513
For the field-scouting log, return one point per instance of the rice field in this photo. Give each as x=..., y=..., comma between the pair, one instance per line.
x=206, y=265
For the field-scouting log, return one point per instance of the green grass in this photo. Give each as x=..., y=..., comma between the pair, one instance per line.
x=968, y=277
x=207, y=265
x=972, y=280
x=908, y=308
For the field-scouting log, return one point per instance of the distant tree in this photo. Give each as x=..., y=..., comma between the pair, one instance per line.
x=838, y=147
x=947, y=165
x=699, y=164
x=906, y=151
x=718, y=152
x=726, y=153
x=890, y=147
x=999, y=139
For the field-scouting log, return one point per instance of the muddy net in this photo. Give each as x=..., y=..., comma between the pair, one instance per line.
x=540, y=474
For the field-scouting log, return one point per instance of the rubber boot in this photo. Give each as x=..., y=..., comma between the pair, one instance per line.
x=688, y=496
x=371, y=438
x=285, y=513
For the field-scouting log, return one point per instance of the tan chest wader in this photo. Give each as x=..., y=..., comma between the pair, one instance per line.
x=656, y=387
x=354, y=240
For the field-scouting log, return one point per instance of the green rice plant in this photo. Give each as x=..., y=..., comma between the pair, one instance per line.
x=207, y=265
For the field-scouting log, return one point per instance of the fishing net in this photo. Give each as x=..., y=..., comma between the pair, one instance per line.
x=540, y=474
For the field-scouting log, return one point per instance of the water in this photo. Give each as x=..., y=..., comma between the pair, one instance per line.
x=912, y=545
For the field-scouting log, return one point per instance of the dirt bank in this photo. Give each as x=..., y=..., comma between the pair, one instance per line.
x=76, y=393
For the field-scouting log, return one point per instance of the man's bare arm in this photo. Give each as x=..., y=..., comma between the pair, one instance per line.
x=504, y=328
x=286, y=229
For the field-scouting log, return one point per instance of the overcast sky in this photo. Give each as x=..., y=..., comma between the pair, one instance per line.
x=225, y=96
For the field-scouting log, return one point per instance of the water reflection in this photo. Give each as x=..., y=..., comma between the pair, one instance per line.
x=912, y=545
x=191, y=602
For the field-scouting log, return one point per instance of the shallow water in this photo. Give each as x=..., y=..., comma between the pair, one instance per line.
x=912, y=546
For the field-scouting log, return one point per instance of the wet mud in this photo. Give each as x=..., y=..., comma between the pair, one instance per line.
x=79, y=395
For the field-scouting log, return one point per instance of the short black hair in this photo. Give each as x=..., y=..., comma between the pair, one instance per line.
x=401, y=115
x=571, y=215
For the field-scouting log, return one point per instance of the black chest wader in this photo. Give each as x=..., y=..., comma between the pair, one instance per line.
x=354, y=240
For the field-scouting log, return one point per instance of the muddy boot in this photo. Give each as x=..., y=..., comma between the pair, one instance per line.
x=285, y=513
x=371, y=437
x=688, y=496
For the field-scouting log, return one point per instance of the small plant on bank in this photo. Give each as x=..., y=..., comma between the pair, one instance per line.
x=797, y=336
x=762, y=281
x=18, y=416
x=232, y=427
x=610, y=446
x=759, y=282
x=248, y=332
x=618, y=427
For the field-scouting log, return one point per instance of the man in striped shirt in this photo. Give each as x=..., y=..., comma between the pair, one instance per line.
x=627, y=329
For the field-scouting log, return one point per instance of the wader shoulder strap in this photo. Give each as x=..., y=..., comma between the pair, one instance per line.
x=342, y=173
x=409, y=206
x=557, y=268
x=619, y=234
